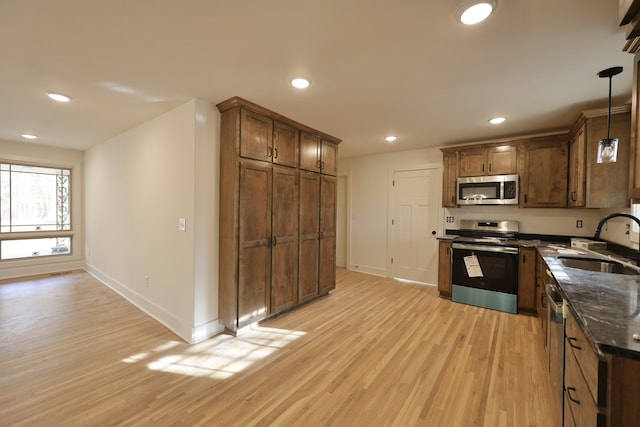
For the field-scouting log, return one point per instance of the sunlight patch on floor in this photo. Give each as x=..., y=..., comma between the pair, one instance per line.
x=219, y=357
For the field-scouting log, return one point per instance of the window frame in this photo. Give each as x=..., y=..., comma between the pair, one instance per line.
x=74, y=210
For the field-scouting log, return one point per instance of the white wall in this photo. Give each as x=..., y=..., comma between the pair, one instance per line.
x=369, y=208
x=49, y=156
x=138, y=184
x=368, y=179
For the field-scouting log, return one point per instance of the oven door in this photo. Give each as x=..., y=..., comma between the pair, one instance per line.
x=486, y=276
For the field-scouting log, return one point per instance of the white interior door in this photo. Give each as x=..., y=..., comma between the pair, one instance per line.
x=414, y=248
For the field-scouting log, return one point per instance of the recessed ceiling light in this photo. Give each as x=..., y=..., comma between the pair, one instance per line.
x=390, y=138
x=497, y=120
x=476, y=11
x=28, y=136
x=300, y=82
x=58, y=97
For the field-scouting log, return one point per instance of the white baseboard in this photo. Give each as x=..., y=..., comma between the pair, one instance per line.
x=188, y=333
x=376, y=271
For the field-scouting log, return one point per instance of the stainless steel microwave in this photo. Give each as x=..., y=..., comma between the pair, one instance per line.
x=488, y=190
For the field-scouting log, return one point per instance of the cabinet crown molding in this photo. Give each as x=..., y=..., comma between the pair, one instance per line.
x=237, y=102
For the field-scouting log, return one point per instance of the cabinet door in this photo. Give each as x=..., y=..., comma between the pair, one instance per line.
x=544, y=177
x=329, y=158
x=472, y=162
x=444, y=268
x=634, y=164
x=327, y=260
x=285, y=145
x=256, y=134
x=577, y=169
x=309, y=229
x=254, y=228
x=502, y=160
x=449, y=180
x=284, y=250
x=527, y=281
x=608, y=183
x=309, y=152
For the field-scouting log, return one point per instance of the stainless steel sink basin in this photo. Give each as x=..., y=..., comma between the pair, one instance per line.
x=596, y=264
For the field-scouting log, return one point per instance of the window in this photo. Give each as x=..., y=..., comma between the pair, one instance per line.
x=35, y=211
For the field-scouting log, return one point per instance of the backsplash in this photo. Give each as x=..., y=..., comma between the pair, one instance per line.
x=561, y=222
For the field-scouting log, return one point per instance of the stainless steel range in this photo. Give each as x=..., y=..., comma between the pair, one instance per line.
x=485, y=264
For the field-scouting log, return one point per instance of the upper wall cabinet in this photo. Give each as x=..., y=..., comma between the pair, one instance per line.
x=543, y=163
x=487, y=160
x=318, y=154
x=599, y=185
x=629, y=14
x=262, y=138
x=449, y=178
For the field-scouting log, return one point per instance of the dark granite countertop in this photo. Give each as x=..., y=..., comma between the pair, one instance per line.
x=606, y=305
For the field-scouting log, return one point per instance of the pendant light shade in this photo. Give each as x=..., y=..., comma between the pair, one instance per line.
x=608, y=147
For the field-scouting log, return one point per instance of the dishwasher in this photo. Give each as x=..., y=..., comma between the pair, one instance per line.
x=555, y=337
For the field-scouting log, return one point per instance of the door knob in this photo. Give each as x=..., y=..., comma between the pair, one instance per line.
x=433, y=232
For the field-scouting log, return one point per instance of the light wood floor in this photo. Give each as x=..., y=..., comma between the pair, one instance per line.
x=376, y=352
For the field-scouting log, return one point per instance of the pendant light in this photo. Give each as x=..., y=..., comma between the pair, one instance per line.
x=608, y=147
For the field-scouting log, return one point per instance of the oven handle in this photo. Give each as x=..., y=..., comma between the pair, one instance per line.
x=486, y=248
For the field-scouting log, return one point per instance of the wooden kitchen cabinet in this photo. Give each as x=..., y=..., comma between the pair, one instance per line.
x=449, y=179
x=541, y=283
x=260, y=215
x=487, y=160
x=599, y=390
x=634, y=164
x=262, y=138
x=599, y=185
x=444, y=268
x=543, y=164
x=318, y=154
x=284, y=232
x=317, y=272
x=327, y=237
x=527, y=301
x=254, y=248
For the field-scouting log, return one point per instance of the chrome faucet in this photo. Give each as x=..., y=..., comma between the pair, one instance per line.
x=614, y=215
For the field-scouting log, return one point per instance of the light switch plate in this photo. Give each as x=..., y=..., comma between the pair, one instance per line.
x=182, y=224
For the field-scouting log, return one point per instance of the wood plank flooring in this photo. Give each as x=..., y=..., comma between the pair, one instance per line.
x=376, y=352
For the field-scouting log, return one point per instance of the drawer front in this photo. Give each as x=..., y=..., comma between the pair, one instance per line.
x=577, y=398
x=588, y=362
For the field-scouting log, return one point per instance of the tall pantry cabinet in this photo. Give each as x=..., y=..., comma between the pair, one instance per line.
x=277, y=222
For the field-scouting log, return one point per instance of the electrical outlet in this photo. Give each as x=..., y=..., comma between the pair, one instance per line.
x=579, y=223
x=627, y=228
x=449, y=219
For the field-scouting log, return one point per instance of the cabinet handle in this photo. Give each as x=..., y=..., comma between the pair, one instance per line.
x=483, y=168
x=571, y=343
x=318, y=164
x=322, y=165
x=543, y=301
x=275, y=240
x=525, y=198
x=269, y=241
x=490, y=167
x=571, y=398
x=524, y=258
x=269, y=151
x=574, y=196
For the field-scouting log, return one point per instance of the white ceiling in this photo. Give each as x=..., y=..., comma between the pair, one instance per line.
x=378, y=67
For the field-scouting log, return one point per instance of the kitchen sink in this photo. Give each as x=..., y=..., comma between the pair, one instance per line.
x=597, y=264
